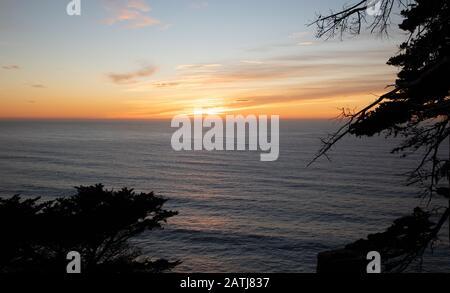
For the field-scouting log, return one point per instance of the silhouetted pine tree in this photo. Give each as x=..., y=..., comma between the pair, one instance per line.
x=97, y=223
x=417, y=107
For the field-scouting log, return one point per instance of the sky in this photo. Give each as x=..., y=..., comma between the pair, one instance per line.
x=149, y=59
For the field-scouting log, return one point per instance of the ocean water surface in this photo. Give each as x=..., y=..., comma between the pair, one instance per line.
x=236, y=214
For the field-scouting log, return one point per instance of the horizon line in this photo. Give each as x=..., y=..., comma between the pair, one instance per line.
x=74, y=119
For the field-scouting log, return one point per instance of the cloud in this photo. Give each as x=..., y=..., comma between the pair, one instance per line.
x=38, y=86
x=272, y=71
x=327, y=97
x=133, y=13
x=165, y=84
x=271, y=74
x=347, y=56
x=306, y=43
x=255, y=62
x=315, y=91
x=306, y=83
x=199, y=67
x=140, y=5
x=11, y=67
x=303, y=38
x=132, y=77
x=312, y=69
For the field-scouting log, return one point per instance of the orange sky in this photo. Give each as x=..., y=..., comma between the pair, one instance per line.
x=99, y=67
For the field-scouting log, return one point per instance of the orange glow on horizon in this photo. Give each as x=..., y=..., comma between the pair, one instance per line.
x=98, y=109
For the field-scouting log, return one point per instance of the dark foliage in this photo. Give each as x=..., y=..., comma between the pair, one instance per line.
x=399, y=246
x=353, y=18
x=401, y=243
x=97, y=223
x=417, y=107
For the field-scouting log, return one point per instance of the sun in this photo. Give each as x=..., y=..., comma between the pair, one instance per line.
x=213, y=111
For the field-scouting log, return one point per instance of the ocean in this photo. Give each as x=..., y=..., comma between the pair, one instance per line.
x=236, y=213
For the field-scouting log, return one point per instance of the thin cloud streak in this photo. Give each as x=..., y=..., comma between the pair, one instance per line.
x=315, y=83
x=133, y=13
x=328, y=96
x=38, y=86
x=11, y=67
x=199, y=67
x=300, y=69
x=132, y=77
x=239, y=75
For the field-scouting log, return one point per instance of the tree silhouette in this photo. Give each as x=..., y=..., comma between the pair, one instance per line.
x=417, y=107
x=97, y=223
x=352, y=18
